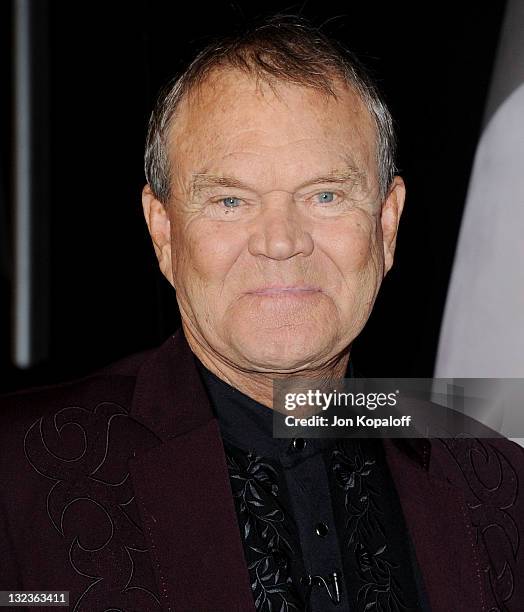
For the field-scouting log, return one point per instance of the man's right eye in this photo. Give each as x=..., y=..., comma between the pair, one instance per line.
x=230, y=202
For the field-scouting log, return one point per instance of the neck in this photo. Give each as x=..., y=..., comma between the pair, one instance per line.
x=259, y=385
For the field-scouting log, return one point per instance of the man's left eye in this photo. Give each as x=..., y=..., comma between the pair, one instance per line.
x=325, y=197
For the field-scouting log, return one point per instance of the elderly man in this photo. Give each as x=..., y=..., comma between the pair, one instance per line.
x=156, y=483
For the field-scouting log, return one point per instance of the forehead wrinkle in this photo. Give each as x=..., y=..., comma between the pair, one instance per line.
x=202, y=180
x=206, y=104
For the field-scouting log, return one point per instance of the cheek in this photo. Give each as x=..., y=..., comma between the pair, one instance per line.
x=354, y=247
x=205, y=252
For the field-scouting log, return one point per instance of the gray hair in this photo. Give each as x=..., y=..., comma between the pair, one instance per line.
x=283, y=48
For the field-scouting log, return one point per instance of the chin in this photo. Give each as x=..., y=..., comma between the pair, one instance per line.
x=280, y=349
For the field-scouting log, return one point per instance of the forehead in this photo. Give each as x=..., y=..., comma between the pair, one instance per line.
x=232, y=119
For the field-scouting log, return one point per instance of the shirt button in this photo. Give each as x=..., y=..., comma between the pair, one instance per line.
x=321, y=530
x=298, y=444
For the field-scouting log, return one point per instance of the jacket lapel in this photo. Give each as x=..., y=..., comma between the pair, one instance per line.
x=182, y=489
x=437, y=518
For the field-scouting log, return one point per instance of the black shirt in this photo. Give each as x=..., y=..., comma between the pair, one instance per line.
x=320, y=519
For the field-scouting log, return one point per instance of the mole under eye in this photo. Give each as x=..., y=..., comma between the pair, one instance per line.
x=325, y=197
x=231, y=202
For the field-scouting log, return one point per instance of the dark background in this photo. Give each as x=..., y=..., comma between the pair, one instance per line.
x=99, y=66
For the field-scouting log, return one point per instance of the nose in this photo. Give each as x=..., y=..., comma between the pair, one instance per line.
x=279, y=232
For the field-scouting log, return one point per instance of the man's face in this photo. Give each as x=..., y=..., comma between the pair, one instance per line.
x=274, y=238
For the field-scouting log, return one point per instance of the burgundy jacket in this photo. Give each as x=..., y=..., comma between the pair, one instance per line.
x=115, y=488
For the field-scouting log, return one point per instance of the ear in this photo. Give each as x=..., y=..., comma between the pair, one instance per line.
x=390, y=217
x=159, y=226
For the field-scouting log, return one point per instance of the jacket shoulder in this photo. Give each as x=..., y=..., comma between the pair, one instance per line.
x=64, y=476
x=112, y=383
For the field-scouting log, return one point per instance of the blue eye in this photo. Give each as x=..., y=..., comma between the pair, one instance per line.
x=325, y=197
x=231, y=202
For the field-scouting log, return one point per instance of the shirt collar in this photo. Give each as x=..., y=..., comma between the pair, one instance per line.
x=248, y=424
x=170, y=372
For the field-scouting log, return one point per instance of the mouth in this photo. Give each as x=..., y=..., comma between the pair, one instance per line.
x=285, y=291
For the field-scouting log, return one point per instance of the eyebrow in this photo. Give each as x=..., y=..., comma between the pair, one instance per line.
x=338, y=176
x=201, y=181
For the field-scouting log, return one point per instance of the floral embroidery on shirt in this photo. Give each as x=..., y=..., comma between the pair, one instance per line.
x=267, y=541
x=364, y=531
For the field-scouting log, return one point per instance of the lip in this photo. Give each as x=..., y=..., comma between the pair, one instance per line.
x=283, y=290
